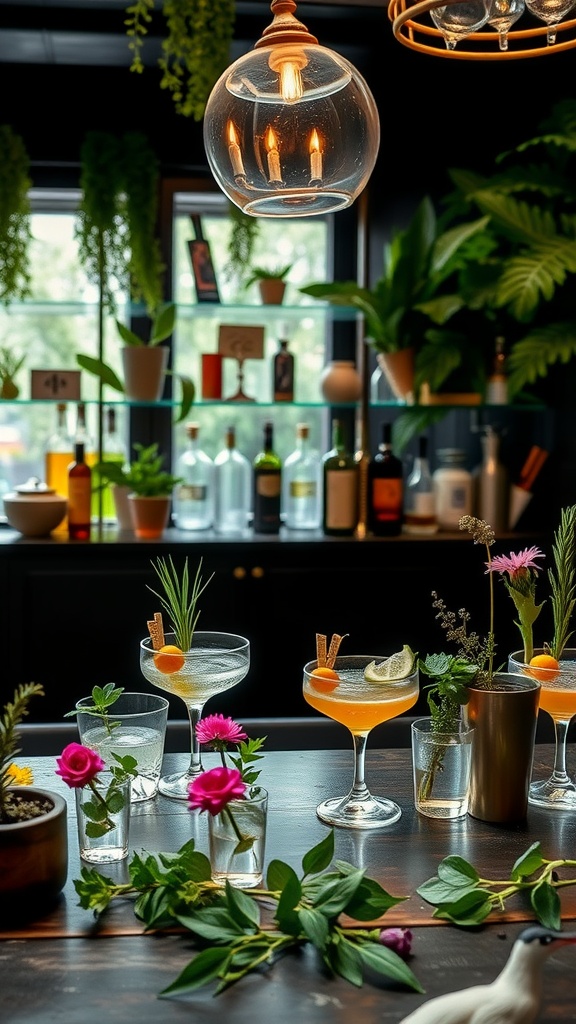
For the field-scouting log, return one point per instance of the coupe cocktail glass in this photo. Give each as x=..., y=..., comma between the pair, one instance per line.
x=214, y=663
x=558, y=698
x=360, y=706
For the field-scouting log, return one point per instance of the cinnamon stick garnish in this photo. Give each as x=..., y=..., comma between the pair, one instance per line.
x=156, y=630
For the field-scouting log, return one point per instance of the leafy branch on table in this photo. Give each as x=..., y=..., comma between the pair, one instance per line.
x=176, y=888
x=461, y=896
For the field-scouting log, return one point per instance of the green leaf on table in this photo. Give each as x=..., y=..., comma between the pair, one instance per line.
x=457, y=871
x=386, y=961
x=205, y=966
x=471, y=909
x=332, y=899
x=371, y=901
x=280, y=877
x=290, y=896
x=546, y=905
x=156, y=908
x=213, y=924
x=243, y=909
x=318, y=858
x=530, y=861
x=346, y=961
x=315, y=927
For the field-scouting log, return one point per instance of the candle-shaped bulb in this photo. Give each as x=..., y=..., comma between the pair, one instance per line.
x=235, y=152
x=291, y=88
x=315, y=157
x=274, y=172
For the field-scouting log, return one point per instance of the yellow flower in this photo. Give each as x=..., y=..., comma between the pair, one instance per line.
x=19, y=776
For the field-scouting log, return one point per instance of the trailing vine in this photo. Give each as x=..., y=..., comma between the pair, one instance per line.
x=195, y=51
x=15, y=231
x=245, y=231
x=141, y=178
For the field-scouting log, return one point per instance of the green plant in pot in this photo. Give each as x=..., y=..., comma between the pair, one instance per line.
x=138, y=488
x=10, y=364
x=33, y=827
x=271, y=282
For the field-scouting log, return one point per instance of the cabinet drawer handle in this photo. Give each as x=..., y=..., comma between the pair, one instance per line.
x=257, y=572
x=239, y=572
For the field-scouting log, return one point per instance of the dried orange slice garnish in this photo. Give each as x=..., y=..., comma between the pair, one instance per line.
x=169, y=659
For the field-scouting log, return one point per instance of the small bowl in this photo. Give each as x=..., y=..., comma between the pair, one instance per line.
x=34, y=509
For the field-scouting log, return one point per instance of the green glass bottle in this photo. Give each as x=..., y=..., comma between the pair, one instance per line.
x=267, y=490
x=341, y=486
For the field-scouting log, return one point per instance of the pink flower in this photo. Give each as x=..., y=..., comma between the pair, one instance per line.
x=217, y=728
x=398, y=939
x=213, y=789
x=516, y=562
x=78, y=765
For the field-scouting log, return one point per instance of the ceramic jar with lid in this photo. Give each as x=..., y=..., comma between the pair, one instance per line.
x=453, y=494
x=34, y=509
x=340, y=381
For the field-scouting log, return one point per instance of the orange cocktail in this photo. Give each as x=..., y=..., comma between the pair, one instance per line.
x=357, y=704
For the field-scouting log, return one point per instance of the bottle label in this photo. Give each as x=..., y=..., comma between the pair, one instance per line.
x=268, y=485
x=341, y=499
x=303, y=489
x=387, y=498
x=79, y=498
x=193, y=492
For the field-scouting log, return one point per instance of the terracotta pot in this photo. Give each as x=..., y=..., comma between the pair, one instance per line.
x=144, y=372
x=149, y=515
x=33, y=859
x=398, y=368
x=272, y=291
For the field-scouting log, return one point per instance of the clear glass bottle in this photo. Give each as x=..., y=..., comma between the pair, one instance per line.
x=283, y=383
x=385, y=488
x=453, y=493
x=341, y=487
x=232, y=487
x=419, y=504
x=83, y=437
x=193, y=500
x=113, y=450
x=302, y=484
x=267, y=489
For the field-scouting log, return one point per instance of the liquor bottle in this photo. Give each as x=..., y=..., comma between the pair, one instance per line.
x=232, y=487
x=497, y=387
x=58, y=455
x=194, y=496
x=493, y=483
x=79, y=496
x=302, y=484
x=267, y=488
x=419, y=504
x=340, y=502
x=385, y=489
x=113, y=450
x=453, y=494
x=283, y=374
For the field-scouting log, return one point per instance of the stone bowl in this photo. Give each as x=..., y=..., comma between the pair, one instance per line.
x=34, y=509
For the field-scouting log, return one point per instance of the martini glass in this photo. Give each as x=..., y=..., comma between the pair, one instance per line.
x=214, y=663
x=360, y=706
x=558, y=698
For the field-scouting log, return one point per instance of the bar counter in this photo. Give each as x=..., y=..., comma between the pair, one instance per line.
x=69, y=967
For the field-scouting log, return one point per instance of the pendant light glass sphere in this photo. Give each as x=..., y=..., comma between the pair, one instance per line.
x=291, y=129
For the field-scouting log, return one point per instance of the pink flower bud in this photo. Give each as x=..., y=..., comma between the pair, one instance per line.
x=398, y=939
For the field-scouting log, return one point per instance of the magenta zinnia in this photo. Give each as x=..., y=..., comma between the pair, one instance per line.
x=217, y=729
x=522, y=570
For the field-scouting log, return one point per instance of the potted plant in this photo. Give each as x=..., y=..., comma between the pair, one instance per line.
x=144, y=362
x=10, y=363
x=142, y=493
x=33, y=827
x=271, y=282
x=15, y=235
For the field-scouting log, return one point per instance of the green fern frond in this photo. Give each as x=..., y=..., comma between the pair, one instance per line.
x=529, y=223
x=412, y=422
x=532, y=277
x=533, y=356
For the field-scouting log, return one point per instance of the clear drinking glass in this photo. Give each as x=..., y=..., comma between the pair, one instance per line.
x=456, y=21
x=360, y=706
x=551, y=12
x=214, y=663
x=502, y=14
x=558, y=698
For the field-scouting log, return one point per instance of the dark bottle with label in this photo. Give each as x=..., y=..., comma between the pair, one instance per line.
x=79, y=496
x=385, y=489
x=267, y=491
x=283, y=374
x=341, y=482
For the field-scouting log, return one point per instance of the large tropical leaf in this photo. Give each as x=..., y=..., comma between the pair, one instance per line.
x=102, y=370
x=533, y=276
x=533, y=356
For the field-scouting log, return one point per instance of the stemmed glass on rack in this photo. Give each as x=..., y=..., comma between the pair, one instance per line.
x=502, y=14
x=458, y=20
x=558, y=698
x=551, y=12
x=360, y=705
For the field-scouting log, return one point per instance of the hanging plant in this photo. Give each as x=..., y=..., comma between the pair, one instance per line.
x=194, y=53
x=141, y=181
x=15, y=232
x=243, y=235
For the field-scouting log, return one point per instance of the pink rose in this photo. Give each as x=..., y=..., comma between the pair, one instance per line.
x=212, y=790
x=78, y=765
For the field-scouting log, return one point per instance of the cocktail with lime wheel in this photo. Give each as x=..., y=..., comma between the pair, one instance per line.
x=361, y=691
x=194, y=665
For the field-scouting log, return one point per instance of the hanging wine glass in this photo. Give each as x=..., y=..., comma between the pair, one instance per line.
x=551, y=12
x=502, y=14
x=456, y=21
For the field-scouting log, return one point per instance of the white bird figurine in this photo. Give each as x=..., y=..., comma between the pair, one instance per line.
x=513, y=998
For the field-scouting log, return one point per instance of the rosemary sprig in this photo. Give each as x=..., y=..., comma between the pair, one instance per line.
x=563, y=584
x=178, y=602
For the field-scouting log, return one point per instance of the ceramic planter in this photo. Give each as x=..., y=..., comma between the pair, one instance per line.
x=33, y=859
x=272, y=291
x=398, y=368
x=150, y=515
x=144, y=372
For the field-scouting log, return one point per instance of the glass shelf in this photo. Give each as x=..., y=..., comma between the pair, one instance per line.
x=186, y=311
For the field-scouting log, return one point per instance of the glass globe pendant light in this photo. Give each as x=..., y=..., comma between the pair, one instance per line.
x=291, y=128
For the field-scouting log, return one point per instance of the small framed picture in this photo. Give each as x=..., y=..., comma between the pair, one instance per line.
x=203, y=270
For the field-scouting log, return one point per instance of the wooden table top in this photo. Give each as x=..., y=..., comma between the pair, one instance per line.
x=54, y=969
